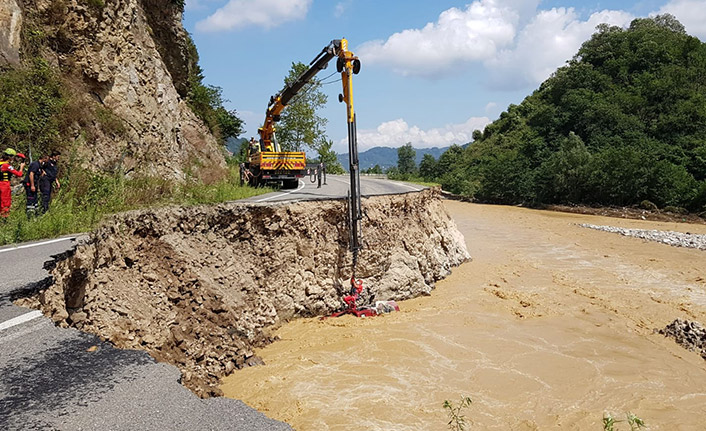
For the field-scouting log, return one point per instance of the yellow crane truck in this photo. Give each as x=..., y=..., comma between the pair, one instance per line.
x=266, y=162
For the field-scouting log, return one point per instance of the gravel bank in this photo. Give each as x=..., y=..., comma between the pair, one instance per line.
x=676, y=239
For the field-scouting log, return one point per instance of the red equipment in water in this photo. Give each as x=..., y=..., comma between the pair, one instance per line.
x=381, y=307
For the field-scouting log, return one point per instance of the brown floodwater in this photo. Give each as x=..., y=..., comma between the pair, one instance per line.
x=549, y=326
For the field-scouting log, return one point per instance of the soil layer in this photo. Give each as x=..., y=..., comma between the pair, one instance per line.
x=549, y=327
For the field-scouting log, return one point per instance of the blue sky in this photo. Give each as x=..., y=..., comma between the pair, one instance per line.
x=432, y=71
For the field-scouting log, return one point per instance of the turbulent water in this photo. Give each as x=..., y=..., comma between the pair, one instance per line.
x=549, y=327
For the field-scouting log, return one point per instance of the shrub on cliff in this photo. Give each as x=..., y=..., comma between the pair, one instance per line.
x=31, y=101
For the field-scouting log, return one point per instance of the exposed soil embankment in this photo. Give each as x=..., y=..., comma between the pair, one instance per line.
x=199, y=287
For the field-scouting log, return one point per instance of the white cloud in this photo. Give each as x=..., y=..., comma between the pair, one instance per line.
x=550, y=39
x=263, y=13
x=518, y=44
x=341, y=8
x=691, y=13
x=458, y=36
x=397, y=132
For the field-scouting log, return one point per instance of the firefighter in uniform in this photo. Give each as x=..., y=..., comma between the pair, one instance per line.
x=49, y=180
x=6, y=173
x=31, y=183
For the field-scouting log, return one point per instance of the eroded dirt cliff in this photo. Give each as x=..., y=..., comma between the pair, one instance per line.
x=199, y=287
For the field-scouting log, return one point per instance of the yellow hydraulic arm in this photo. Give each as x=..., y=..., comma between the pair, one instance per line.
x=347, y=64
x=337, y=48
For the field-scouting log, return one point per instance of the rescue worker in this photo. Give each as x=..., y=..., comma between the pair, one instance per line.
x=6, y=173
x=31, y=183
x=49, y=179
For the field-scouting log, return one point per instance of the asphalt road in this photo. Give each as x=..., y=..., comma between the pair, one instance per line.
x=63, y=379
x=337, y=186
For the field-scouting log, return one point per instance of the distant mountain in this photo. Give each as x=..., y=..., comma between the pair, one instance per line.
x=386, y=157
x=233, y=144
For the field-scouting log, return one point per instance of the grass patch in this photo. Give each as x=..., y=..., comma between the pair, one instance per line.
x=422, y=182
x=414, y=180
x=86, y=197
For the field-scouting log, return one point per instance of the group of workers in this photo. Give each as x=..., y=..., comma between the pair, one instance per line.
x=41, y=177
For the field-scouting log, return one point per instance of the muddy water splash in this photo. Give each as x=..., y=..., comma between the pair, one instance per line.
x=549, y=327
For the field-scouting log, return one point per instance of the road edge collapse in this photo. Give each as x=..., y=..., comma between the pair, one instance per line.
x=201, y=287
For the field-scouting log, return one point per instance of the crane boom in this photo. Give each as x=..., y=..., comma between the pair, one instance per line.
x=347, y=64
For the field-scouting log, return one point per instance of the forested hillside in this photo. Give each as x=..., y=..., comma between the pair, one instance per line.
x=624, y=121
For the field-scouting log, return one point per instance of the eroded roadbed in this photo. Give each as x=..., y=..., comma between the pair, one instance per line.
x=201, y=287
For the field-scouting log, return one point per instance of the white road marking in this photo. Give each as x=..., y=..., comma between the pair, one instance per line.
x=301, y=186
x=20, y=319
x=51, y=241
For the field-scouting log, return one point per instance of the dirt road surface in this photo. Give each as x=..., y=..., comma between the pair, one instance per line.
x=549, y=326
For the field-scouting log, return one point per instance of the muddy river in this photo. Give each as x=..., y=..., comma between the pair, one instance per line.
x=549, y=326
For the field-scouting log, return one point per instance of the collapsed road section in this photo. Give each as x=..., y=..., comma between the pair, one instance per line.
x=200, y=287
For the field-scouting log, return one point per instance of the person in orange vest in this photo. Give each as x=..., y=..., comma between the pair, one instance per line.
x=6, y=173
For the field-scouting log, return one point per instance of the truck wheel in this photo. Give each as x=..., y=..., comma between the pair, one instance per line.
x=290, y=184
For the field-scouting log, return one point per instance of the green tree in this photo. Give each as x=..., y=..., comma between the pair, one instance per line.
x=300, y=126
x=449, y=158
x=229, y=124
x=428, y=167
x=393, y=173
x=329, y=158
x=207, y=103
x=375, y=170
x=566, y=173
x=405, y=159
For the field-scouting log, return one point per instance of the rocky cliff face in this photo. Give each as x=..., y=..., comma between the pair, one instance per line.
x=200, y=287
x=10, y=28
x=127, y=63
